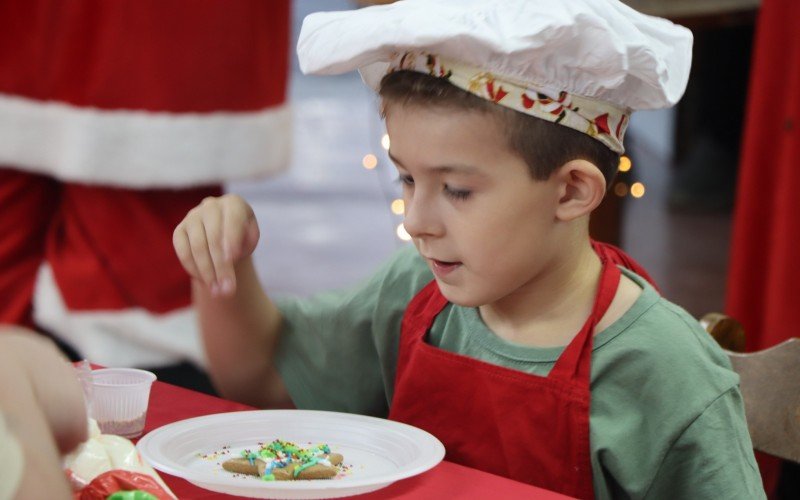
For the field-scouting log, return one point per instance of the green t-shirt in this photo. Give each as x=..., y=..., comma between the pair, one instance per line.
x=667, y=419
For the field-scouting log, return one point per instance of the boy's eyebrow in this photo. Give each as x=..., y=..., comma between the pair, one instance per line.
x=464, y=169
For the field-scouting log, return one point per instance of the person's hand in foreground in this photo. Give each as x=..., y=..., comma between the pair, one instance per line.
x=41, y=401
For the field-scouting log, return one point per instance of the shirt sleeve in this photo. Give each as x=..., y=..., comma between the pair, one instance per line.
x=11, y=462
x=337, y=351
x=712, y=458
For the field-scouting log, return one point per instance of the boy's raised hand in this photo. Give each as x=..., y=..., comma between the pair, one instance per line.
x=213, y=237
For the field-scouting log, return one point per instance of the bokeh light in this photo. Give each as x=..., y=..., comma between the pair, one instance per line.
x=402, y=233
x=398, y=207
x=637, y=189
x=624, y=164
x=370, y=161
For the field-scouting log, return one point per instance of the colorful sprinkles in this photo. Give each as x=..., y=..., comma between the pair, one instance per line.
x=279, y=454
x=215, y=455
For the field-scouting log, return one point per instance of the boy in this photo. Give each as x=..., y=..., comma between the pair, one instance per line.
x=499, y=333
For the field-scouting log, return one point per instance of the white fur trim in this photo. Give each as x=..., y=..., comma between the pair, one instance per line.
x=131, y=337
x=140, y=149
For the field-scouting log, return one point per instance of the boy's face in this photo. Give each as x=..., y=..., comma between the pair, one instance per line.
x=476, y=215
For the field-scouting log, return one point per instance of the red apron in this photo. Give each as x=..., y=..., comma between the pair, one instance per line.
x=525, y=427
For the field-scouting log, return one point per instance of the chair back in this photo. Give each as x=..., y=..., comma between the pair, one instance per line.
x=770, y=384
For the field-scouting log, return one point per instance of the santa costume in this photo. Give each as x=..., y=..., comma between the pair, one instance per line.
x=116, y=118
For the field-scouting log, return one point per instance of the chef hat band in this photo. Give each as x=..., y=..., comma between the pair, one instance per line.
x=600, y=120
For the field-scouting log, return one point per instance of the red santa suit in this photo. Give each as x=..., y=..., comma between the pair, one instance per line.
x=116, y=118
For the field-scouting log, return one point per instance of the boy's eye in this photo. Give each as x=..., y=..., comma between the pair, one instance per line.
x=456, y=194
x=405, y=179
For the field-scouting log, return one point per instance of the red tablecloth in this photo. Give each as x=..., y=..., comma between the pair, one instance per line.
x=169, y=403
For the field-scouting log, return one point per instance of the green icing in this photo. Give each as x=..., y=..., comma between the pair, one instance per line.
x=250, y=456
x=283, y=450
x=131, y=495
x=305, y=466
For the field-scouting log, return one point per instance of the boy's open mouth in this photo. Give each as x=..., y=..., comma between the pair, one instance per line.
x=445, y=263
x=441, y=267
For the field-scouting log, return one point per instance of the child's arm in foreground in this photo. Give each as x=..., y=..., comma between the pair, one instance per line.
x=42, y=404
x=238, y=322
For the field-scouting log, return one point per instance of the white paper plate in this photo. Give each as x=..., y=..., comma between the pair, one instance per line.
x=378, y=452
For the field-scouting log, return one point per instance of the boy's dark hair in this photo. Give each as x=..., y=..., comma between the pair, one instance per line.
x=544, y=146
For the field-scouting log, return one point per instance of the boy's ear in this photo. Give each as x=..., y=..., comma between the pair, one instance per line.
x=582, y=187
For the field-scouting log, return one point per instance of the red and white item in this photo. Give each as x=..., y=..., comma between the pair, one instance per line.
x=105, y=464
x=152, y=93
x=116, y=118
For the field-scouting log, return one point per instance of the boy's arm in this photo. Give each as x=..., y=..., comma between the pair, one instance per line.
x=238, y=322
x=712, y=458
x=240, y=332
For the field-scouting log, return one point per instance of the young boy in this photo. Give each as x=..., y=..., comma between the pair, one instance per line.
x=506, y=121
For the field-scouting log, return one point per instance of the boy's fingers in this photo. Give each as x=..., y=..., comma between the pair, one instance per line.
x=198, y=242
x=180, y=240
x=236, y=220
x=223, y=268
x=253, y=233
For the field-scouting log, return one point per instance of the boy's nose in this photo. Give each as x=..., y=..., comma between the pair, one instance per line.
x=420, y=217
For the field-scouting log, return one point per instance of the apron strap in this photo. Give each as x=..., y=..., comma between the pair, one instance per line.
x=423, y=308
x=620, y=258
x=574, y=364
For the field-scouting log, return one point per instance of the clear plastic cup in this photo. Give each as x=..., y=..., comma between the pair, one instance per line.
x=119, y=400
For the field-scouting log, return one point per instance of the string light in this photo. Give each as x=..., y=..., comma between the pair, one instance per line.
x=398, y=206
x=385, y=142
x=624, y=164
x=370, y=161
x=620, y=189
x=637, y=190
x=402, y=233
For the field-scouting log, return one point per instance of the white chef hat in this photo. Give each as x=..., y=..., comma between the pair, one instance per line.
x=585, y=64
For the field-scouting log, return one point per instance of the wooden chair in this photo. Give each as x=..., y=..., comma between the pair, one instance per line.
x=770, y=384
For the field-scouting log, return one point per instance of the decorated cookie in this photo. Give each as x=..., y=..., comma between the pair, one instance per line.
x=285, y=461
